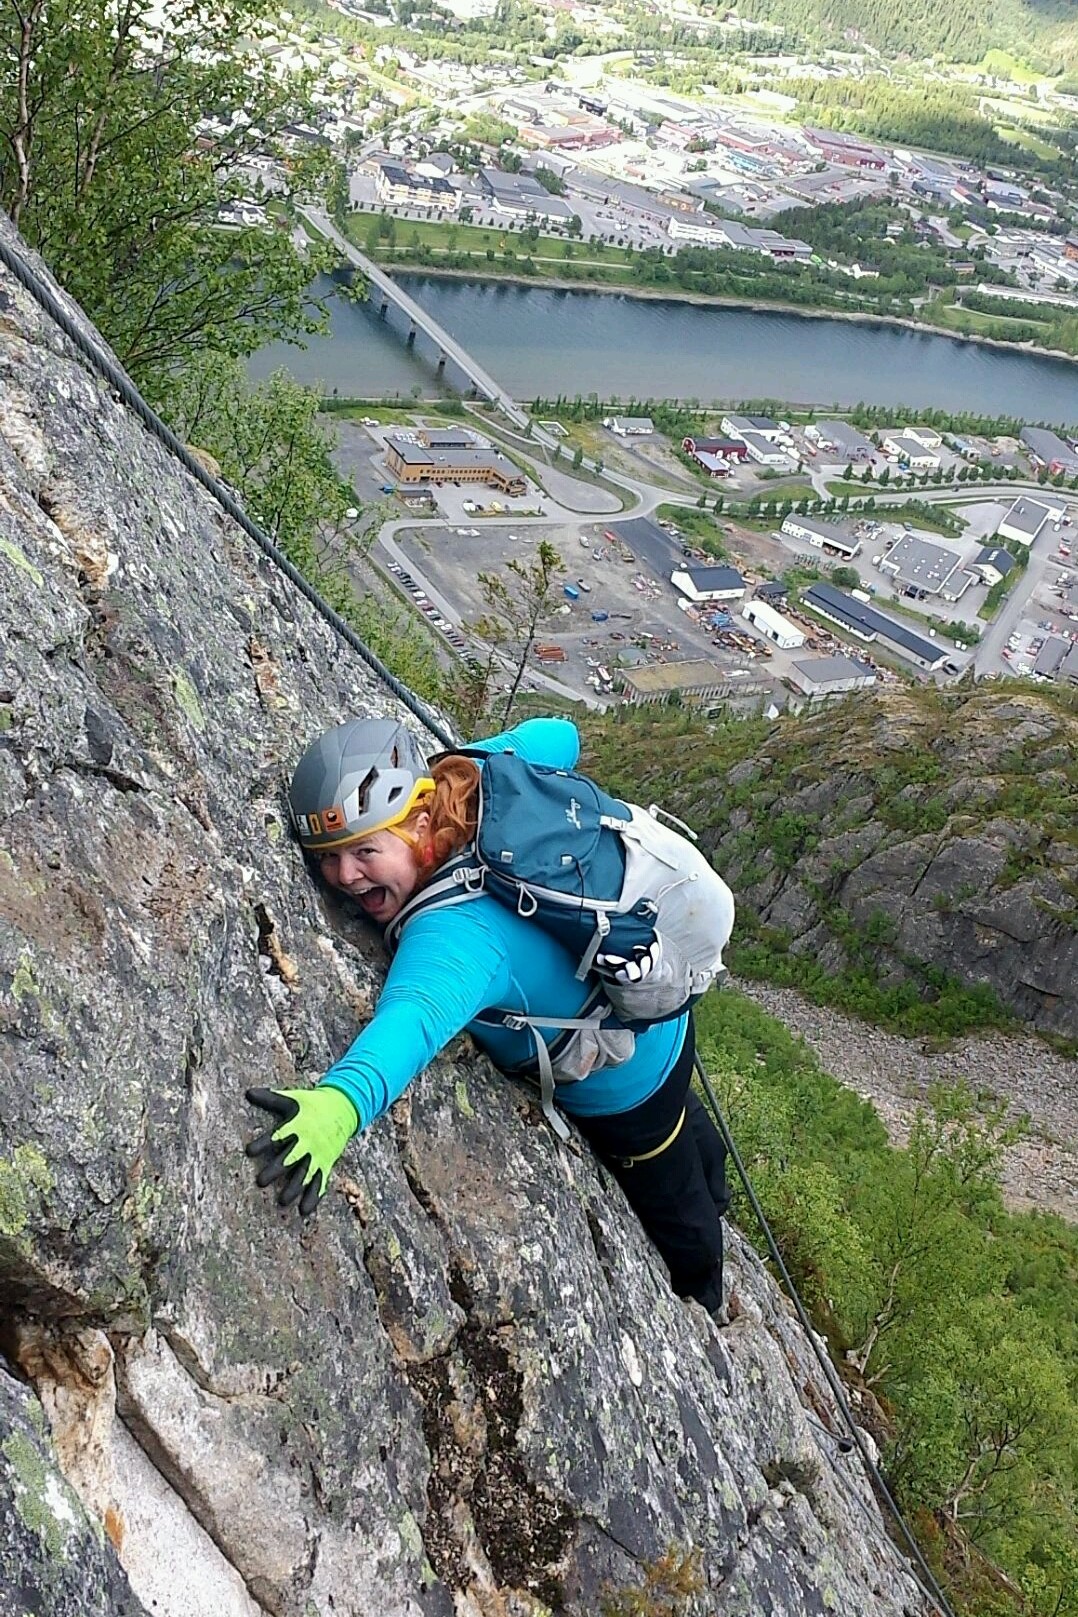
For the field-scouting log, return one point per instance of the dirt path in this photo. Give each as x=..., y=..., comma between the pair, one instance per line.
x=894, y=1073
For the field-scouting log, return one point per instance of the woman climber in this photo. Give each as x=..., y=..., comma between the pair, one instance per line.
x=383, y=826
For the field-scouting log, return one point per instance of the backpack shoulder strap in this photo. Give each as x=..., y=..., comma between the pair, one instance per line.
x=459, y=881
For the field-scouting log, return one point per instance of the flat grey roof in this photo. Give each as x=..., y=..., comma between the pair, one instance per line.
x=830, y=531
x=1051, y=655
x=919, y=562
x=1028, y=516
x=822, y=668
x=411, y=454
x=840, y=432
x=865, y=618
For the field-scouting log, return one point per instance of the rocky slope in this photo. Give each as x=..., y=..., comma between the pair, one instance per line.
x=916, y=842
x=467, y=1388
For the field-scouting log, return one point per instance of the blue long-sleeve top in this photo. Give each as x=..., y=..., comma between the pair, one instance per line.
x=454, y=962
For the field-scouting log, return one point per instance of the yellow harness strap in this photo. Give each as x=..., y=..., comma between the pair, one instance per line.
x=647, y=1156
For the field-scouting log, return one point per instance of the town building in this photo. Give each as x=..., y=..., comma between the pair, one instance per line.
x=930, y=569
x=629, y=426
x=398, y=187
x=847, y=443
x=450, y=438
x=1049, y=449
x=1068, y=668
x=695, y=681
x=845, y=150
x=867, y=624
x=1050, y=657
x=709, y=583
x=412, y=462
x=736, y=426
x=927, y=437
x=991, y=564
x=766, y=452
x=773, y=591
x=521, y=194
x=824, y=535
x=911, y=450
x=786, y=635
x=728, y=448
x=1027, y=516
x=830, y=676
x=743, y=238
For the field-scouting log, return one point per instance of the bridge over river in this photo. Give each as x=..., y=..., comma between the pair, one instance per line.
x=386, y=294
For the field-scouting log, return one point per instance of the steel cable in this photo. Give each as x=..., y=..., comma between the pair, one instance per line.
x=130, y=395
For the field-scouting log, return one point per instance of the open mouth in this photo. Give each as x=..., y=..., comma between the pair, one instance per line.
x=372, y=898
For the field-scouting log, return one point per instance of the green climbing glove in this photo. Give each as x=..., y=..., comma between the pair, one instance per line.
x=300, y=1150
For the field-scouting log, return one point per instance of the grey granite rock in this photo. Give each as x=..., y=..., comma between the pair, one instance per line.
x=466, y=1388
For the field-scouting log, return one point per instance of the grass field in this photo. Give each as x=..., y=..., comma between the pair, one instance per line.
x=491, y=250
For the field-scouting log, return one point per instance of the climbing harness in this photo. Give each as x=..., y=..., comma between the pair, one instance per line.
x=116, y=378
x=649, y=1156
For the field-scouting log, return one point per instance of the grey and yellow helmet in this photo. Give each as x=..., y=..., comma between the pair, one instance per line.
x=363, y=776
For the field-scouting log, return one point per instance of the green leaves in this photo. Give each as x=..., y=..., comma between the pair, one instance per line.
x=104, y=171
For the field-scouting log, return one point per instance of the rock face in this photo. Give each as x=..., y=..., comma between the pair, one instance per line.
x=915, y=837
x=467, y=1388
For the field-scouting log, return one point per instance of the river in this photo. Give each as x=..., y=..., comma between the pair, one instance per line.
x=539, y=341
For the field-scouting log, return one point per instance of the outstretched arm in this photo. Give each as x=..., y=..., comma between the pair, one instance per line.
x=553, y=742
x=450, y=964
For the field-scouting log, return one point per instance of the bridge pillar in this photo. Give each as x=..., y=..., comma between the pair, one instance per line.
x=441, y=364
x=473, y=392
x=384, y=309
x=410, y=340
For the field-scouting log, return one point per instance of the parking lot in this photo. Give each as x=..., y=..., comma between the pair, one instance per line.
x=642, y=622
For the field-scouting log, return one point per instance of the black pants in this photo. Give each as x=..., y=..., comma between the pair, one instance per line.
x=680, y=1194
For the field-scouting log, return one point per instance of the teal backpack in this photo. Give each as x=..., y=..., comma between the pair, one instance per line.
x=602, y=877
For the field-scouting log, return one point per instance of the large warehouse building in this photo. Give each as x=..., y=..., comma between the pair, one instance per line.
x=867, y=624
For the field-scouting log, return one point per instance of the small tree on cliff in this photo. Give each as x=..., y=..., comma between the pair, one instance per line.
x=517, y=604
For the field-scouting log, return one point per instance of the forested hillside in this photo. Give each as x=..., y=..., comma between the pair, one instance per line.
x=911, y=856
x=1045, y=31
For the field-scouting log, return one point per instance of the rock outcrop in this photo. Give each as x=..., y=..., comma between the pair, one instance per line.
x=466, y=1388
x=914, y=837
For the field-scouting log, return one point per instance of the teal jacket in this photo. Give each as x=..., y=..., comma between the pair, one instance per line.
x=453, y=963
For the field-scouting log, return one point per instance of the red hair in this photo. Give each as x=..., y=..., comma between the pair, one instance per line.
x=454, y=814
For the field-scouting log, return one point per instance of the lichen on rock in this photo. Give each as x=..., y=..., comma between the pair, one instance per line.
x=423, y=1403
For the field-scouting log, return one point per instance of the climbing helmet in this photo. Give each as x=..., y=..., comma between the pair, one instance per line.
x=363, y=776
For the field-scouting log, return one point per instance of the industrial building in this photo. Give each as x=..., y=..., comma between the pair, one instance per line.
x=766, y=451
x=695, y=681
x=412, y=462
x=1049, y=449
x=786, y=635
x=906, y=447
x=1027, y=516
x=831, y=676
x=736, y=426
x=847, y=443
x=867, y=624
x=709, y=583
x=824, y=535
x=917, y=564
x=521, y=194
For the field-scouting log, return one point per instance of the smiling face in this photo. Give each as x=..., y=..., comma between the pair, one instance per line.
x=379, y=872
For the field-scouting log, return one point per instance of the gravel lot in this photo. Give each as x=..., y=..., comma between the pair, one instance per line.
x=894, y=1073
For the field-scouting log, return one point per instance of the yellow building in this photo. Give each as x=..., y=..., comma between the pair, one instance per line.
x=438, y=462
